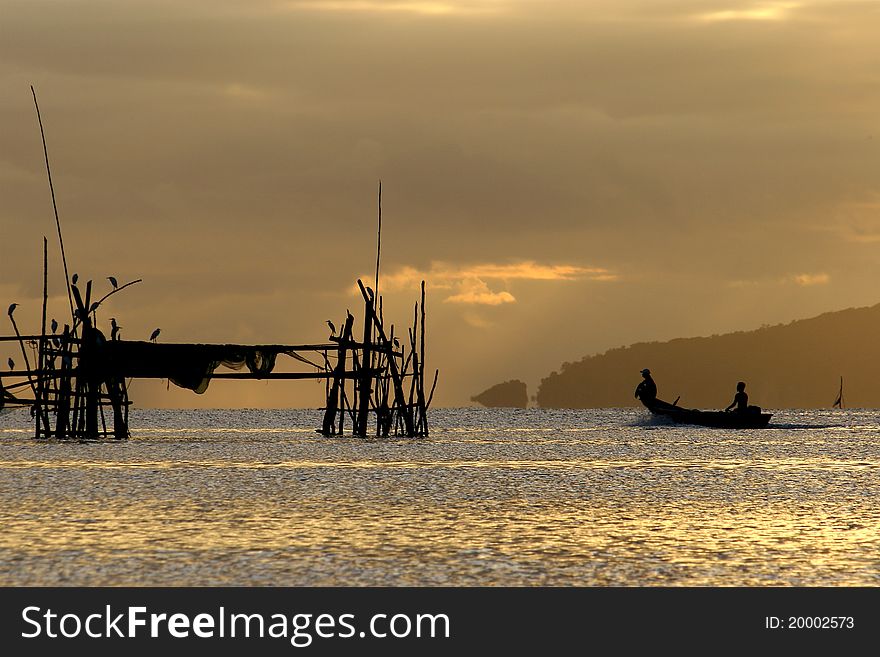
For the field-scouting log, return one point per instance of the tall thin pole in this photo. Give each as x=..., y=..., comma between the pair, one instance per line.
x=42, y=383
x=379, y=241
x=377, y=300
x=54, y=204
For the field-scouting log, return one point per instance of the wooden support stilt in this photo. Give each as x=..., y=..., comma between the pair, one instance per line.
x=364, y=381
x=91, y=401
x=422, y=423
x=399, y=398
x=335, y=400
x=62, y=413
x=42, y=415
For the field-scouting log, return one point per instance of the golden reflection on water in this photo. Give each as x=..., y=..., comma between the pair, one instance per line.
x=301, y=543
x=774, y=464
x=631, y=505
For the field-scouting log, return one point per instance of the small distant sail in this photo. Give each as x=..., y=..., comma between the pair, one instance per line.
x=838, y=403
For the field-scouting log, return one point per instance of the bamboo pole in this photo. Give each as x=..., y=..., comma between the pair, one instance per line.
x=54, y=204
x=62, y=414
x=118, y=289
x=433, y=386
x=285, y=376
x=378, y=241
x=42, y=414
x=395, y=378
x=414, y=346
x=420, y=375
x=383, y=412
x=16, y=338
x=364, y=380
x=336, y=397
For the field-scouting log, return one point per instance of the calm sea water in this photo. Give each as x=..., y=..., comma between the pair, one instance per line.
x=493, y=497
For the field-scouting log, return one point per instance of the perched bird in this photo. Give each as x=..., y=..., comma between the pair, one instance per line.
x=114, y=329
x=113, y=282
x=54, y=325
x=12, y=308
x=396, y=343
x=154, y=335
x=332, y=328
x=11, y=364
x=94, y=307
x=74, y=279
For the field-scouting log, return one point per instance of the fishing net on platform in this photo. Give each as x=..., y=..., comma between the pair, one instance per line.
x=186, y=365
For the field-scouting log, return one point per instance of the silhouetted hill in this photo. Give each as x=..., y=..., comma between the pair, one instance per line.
x=511, y=394
x=795, y=365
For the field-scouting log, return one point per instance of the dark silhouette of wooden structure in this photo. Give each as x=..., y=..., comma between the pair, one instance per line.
x=77, y=387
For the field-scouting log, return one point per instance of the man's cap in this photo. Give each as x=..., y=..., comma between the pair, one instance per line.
x=646, y=371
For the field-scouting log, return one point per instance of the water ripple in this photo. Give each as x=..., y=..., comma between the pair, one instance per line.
x=530, y=497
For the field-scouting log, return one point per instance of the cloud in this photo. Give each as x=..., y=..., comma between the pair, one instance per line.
x=761, y=11
x=445, y=275
x=470, y=284
x=532, y=271
x=477, y=292
x=807, y=280
x=420, y=7
x=803, y=280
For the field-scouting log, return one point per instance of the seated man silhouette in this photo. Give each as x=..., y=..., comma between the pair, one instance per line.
x=647, y=389
x=740, y=399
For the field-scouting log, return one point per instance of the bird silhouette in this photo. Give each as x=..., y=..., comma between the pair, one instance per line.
x=54, y=325
x=74, y=279
x=114, y=329
x=332, y=328
x=396, y=343
x=11, y=364
x=113, y=282
x=154, y=335
x=94, y=307
x=12, y=308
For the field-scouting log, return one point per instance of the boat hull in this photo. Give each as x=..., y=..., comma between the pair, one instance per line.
x=720, y=419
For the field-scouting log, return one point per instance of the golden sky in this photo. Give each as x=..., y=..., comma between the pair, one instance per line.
x=568, y=176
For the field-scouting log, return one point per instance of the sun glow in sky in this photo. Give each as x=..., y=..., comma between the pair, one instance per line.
x=567, y=176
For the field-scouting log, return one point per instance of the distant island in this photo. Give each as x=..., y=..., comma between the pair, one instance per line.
x=510, y=394
x=794, y=365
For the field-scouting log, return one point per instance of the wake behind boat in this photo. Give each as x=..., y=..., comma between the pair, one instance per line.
x=749, y=419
